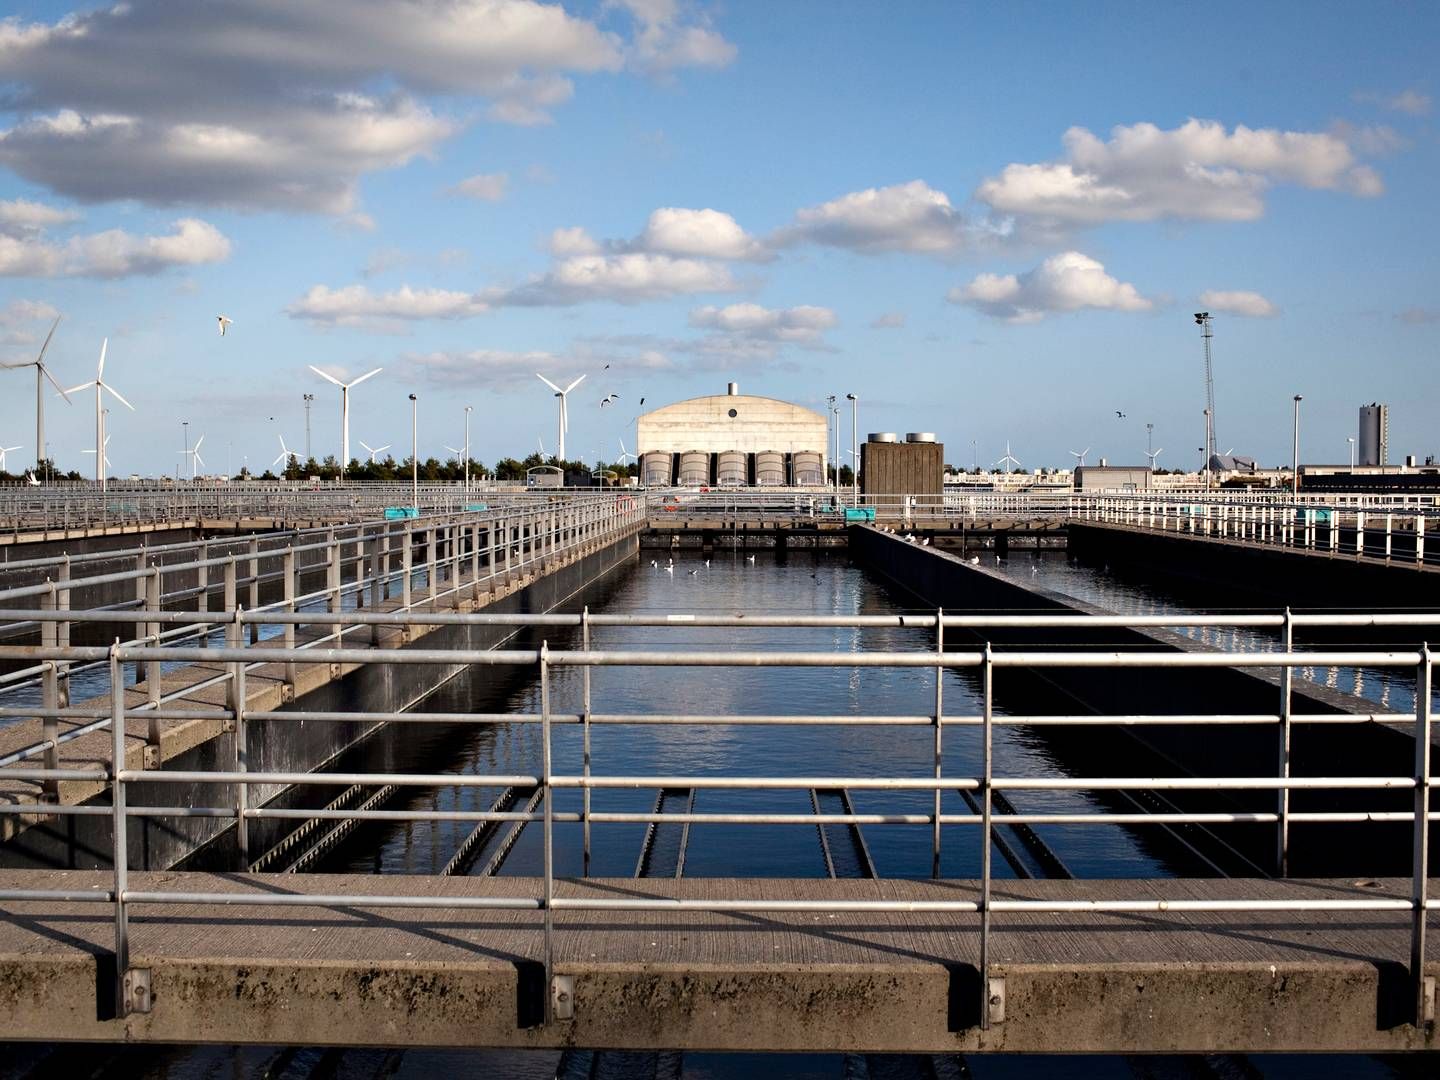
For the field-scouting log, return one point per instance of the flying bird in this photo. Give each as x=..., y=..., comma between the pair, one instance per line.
x=1119, y=415
x=642, y=401
x=224, y=321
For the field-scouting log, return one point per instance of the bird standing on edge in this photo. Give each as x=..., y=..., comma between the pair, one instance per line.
x=224, y=321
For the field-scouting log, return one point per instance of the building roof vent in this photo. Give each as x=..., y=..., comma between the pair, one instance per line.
x=919, y=436
x=883, y=436
x=732, y=389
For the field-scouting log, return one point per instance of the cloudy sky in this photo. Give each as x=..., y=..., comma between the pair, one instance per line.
x=989, y=221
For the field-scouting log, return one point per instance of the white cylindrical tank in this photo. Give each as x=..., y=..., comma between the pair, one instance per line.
x=882, y=436
x=694, y=469
x=655, y=469
x=730, y=469
x=809, y=468
x=919, y=436
x=770, y=468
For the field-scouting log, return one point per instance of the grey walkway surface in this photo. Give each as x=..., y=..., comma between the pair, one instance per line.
x=902, y=981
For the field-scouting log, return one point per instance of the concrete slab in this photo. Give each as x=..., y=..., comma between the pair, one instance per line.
x=901, y=982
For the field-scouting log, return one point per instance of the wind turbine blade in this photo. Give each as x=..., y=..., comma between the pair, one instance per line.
x=118, y=396
x=48, y=336
x=382, y=449
x=326, y=377
x=279, y=459
x=362, y=378
x=197, y=444
x=77, y=389
x=576, y=383
x=100, y=371
x=548, y=383
x=368, y=448
x=46, y=372
x=198, y=458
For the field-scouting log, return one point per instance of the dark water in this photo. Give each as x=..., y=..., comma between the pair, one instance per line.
x=1115, y=589
x=798, y=584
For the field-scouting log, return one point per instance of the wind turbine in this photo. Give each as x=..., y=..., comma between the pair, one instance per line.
x=107, y=450
x=285, y=453
x=41, y=374
x=373, y=450
x=344, y=410
x=5, y=450
x=1152, y=455
x=625, y=454
x=1078, y=454
x=194, y=454
x=1010, y=458
x=100, y=387
x=564, y=422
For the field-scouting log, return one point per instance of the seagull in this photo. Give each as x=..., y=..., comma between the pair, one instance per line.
x=707, y=564
x=997, y=560
x=694, y=572
x=925, y=542
x=750, y=558
x=224, y=321
x=654, y=563
x=1119, y=415
x=974, y=560
x=670, y=569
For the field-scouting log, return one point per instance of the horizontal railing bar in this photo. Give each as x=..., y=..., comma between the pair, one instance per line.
x=191, y=776
x=63, y=896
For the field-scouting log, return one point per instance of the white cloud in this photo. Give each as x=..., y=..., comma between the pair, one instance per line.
x=1238, y=302
x=488, y=187
x=665, y=41
x=254, y=103
x=114, y=253
x=626, y=278
x=706, y=234
x=1197, y=171
x=1065, y=282
x=356, y=305
x=23, y=217
x=796, y=325
x=1413, y=101
x=890, y=320
x=910, y=217
x=573, y=241
x=503, y=369
x=17, y=312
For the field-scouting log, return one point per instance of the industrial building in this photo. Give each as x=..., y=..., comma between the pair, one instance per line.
x=890, y=467
x=1374, y=441
x=732, y=440
x=1113, y=478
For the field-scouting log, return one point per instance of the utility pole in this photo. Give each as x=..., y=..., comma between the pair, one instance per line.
x=833, y=419
x=467, y=451
x=1202, y=320
x=185, y=427
x=1295, y=451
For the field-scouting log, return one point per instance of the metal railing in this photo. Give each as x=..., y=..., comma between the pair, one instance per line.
x=1385, y=536
x=549, y=897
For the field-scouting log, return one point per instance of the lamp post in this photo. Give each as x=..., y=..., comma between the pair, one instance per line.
x=854, y=450
x=1209, y=447
x=185, y=427
x=308, y=399
x=467, y=451
x=414, y=458
x=1295, y=451
x=833, y=420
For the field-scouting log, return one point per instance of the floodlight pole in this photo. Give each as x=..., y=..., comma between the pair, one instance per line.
x=467, y=451
x=854, y=451
x=308, y=399
x=1295, y=451
x=414, y=458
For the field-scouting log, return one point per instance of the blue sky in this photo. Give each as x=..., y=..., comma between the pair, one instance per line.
x=805, y=198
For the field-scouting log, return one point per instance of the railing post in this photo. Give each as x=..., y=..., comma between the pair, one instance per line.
x=152, y=670
x=50, y=698
x=939, y=740
x=1419, y=538
x=254, y=571
x=1423, y=987
x=125, y=1002
x=1389, y=522
x=585, y=721
x=235, y=702
x=1359, y=533
x=987, y=683
x=141, y=584
x=475, y=562
x=1282, y=795
x=547, y=800
x=430, y=564
x=291, y=590
x=374, y=586
x=385, y=561
x=407, y=571
x=202, y=589
x=332, y=584
x=62, y=632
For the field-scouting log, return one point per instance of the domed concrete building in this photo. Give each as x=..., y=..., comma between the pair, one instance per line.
x=732, y=440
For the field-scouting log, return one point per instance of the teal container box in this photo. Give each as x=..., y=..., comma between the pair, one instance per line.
x=866, y=513
x=474, y=508
x=395, y=513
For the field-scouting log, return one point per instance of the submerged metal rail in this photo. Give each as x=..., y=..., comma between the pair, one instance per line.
x=985, y=786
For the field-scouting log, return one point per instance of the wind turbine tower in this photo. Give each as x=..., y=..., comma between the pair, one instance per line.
x=345, y=389
x=41, y=374
x=564, y=420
